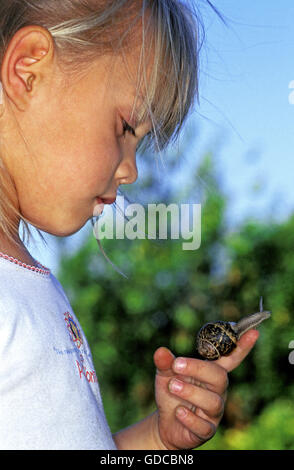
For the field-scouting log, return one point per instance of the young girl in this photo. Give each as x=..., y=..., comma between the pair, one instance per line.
x=84, y=85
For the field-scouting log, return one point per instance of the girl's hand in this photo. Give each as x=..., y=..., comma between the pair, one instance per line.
x=201, y=394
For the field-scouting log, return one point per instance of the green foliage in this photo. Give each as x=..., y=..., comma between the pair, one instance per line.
x=170, y=293
x=272, y=429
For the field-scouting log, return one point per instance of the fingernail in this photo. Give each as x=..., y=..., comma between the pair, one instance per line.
x=180, y=364
x=175, y=386
x=181, y=412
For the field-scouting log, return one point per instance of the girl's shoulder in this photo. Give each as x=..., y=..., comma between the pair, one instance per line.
x=21, y=292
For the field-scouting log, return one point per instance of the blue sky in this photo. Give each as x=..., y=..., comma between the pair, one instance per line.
x=245, y=88
x=246, y=69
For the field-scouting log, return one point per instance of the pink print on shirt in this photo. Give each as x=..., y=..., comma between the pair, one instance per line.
x=77, y=339
x=90, y=375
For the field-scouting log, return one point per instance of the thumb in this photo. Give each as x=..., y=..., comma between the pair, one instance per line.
x=163, y=359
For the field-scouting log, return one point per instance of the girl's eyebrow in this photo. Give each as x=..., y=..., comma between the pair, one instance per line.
x=132, y=117
x=129, y=115
x=134, y=111
x=135, y=121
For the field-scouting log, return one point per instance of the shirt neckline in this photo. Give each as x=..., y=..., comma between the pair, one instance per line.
x=42, y=270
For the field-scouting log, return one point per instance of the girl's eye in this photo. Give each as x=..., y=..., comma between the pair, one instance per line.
x=128, y=128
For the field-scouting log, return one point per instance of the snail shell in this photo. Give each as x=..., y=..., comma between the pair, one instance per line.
x=216, y=339
x=220, y=338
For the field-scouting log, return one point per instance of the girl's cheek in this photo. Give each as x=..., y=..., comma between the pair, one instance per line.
x=115, y=158
x=106, y=171
x=108, y=158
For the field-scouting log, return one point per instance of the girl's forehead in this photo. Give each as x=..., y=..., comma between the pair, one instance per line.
x=124, y=83
x=127, y=80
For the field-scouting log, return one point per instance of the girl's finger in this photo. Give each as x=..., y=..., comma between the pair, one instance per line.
x=244, y=346
x=210, y=402
x=201, y=428
x=199, y=370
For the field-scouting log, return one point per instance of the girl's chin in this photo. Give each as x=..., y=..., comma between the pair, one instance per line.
x=61, y=223
x=65, y=228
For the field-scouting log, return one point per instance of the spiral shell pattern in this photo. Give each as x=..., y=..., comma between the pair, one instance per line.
x=215, y=340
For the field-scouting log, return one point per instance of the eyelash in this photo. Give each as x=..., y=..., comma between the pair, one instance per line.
x=128, y=128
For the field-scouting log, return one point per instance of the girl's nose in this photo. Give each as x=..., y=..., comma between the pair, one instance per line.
x=127, y=172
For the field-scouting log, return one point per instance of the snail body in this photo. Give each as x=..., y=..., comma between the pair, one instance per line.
x=220, y=338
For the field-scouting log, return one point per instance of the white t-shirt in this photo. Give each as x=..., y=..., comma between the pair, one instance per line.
x=49, y=392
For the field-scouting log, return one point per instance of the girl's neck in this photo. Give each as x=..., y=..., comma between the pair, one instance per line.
x=18, y=252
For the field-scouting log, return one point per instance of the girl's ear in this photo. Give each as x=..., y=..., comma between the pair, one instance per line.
x=26, y=63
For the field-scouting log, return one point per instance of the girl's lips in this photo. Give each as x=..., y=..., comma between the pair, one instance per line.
x=106, y=200
x=99, y=204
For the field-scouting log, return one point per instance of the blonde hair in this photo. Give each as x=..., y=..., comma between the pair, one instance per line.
x=84, y=29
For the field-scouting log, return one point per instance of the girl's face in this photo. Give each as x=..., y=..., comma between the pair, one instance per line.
x=76, y=146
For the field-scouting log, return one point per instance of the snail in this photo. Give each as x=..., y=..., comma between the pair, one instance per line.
x=220, y=338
